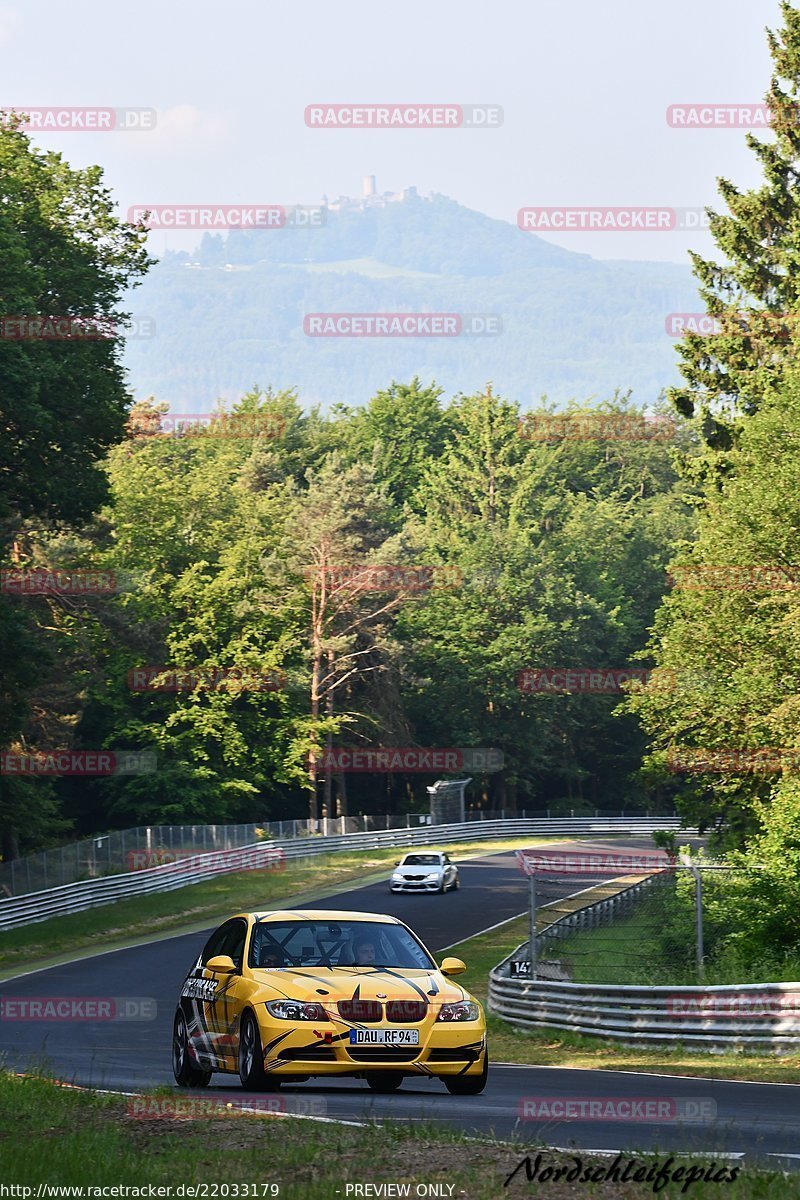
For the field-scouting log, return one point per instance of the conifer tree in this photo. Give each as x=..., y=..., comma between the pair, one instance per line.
x=755, y=292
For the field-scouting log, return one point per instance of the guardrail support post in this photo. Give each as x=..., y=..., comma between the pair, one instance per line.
x=532, y=927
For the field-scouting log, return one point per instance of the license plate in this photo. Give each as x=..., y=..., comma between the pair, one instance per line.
x=384, y=1037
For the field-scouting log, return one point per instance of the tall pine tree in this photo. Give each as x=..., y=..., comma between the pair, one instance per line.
x=755, y=292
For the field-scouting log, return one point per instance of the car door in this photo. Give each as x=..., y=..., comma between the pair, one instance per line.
x=222, y=1008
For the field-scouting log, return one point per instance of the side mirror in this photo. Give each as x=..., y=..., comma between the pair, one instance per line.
x=453, y=966
x=222, y=963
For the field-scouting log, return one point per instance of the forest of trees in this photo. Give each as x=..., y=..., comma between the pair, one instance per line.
x=243, y=551
x=232, y=549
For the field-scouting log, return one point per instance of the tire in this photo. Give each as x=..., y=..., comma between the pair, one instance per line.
x=468, y=1085
x=384, y=1081
x=186, y=1074
x=251, y=1058
x=440, y=891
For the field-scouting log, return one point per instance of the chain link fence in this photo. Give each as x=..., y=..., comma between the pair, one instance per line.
x=149, y=845
x=645, y=930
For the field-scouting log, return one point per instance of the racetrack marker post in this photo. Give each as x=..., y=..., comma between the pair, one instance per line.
x=528, y=867
x=532, y=926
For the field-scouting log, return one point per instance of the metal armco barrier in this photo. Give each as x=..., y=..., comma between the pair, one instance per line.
x=759, y=1016
x=89, y=893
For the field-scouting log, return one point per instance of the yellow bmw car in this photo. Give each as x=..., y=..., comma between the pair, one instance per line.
x=282, y=996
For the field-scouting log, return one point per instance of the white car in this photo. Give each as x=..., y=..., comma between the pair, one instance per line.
x=424, y=871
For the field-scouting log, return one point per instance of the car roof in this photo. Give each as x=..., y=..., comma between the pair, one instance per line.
x=438, y=853
x=321, y=914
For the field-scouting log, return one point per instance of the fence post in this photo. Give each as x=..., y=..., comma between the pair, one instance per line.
x=532, y=925
x=686, y=861
x=698, y=901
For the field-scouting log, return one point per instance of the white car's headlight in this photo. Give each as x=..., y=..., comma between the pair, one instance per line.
x=464, y=1010
x=433, y=875
x=397, y=877
x=295, y=1010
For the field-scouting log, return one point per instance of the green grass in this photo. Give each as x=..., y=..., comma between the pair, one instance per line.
x=72, y=1138
x=203, y=904
x=555, y=1047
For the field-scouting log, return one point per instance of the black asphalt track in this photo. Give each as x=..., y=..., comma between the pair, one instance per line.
x=752, y=1120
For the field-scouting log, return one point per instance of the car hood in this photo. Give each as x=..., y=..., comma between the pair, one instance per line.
x=329, y=985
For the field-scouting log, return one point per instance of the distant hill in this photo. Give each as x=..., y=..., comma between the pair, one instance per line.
x=231, y=315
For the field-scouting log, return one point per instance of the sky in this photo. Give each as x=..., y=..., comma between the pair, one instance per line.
x=584, y=90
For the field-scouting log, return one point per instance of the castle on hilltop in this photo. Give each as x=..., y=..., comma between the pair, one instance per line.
x=371, y=198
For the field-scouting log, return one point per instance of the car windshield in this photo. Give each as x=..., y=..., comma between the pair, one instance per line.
x=311, y=943
x=421, y=860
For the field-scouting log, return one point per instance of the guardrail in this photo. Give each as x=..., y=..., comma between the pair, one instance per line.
x=90, y=893
x=764, y=1017
x=122, y=850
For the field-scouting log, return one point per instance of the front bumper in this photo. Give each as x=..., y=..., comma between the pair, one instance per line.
x=442, y=1051
x=415, y=885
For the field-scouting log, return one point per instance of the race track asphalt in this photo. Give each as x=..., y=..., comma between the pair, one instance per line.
x=755, y=1121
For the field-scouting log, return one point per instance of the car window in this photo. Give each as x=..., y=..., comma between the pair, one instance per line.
x=234, y=942
x=344, y=943
x=228, y=939
x=422, y=860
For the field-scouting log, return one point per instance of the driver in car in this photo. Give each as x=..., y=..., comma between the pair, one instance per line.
x=270, y=958
x=364, y=952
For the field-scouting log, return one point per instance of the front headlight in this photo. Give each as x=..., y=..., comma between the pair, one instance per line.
x=433, y=875
x=464, y=1010
x=397, y=878
x=295, y=1010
